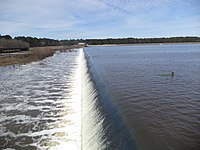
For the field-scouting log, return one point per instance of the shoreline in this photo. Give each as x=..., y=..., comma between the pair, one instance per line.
x=34, y=54
x=142, y=44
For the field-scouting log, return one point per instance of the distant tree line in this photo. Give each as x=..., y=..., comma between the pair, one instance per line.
x=7, y=42
x=39, y=42
x=131, y=40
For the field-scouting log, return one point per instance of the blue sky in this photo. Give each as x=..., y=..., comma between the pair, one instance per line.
x=72, y=19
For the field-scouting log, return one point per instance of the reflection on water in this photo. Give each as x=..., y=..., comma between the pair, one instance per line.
x=162, y=112
x=40, y=104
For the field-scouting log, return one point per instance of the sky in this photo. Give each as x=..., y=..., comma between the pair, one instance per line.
x=88, y=19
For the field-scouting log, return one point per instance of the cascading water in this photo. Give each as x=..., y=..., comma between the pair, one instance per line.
x=91, y=118
x=40, y=104
x=59, y=103
x=102, y=126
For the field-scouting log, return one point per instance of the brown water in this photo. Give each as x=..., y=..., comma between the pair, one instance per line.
x=161, y=112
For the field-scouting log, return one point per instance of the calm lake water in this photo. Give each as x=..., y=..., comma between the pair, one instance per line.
x=161, y=112
x=104, y=97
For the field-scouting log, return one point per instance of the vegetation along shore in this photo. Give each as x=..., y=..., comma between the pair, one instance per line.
x=17, y=51
x=22, y=50
x=34, y=54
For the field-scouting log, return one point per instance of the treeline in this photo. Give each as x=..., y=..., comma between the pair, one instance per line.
x=7, y=42
x=39, y=42
x=131, y=40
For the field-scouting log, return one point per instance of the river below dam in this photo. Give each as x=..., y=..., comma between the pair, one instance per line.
x=104, y=97
x=40, y=104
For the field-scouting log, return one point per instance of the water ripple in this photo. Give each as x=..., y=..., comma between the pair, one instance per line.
x=37, y=105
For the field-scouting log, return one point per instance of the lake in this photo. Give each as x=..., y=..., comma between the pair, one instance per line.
x=161, y=112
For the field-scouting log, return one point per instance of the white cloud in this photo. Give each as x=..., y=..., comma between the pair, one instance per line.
x=95, y=18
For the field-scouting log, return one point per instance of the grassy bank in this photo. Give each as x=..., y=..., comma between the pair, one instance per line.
x=34, y=54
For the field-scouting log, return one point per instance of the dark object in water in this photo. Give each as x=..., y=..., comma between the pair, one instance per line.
x=171, y=74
